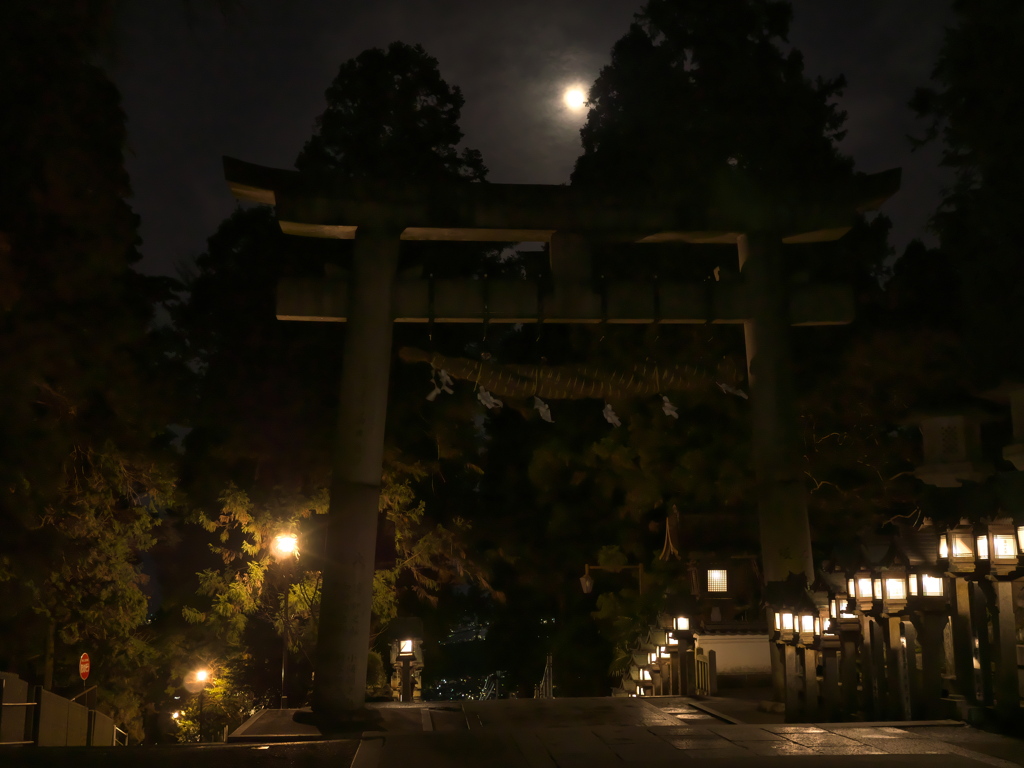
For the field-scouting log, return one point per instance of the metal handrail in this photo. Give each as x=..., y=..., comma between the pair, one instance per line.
x=3, y=685
x=83, y=693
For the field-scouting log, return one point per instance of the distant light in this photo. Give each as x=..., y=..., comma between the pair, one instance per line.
x=175, y=715
x=575, y=99
x=718, y=580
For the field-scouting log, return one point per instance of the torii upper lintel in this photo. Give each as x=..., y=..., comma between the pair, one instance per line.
x=311, y=206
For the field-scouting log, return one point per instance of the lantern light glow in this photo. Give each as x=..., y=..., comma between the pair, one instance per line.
x=1003, y=546
x=863, y=588
x=931, y=586
x=983, y=547
x=896, y=589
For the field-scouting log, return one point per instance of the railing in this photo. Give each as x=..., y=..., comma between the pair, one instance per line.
x=702, y=676
x=545, y=689
x=9, y=707
x=53, y=720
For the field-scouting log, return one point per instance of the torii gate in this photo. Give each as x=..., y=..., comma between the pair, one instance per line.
x=380, y=215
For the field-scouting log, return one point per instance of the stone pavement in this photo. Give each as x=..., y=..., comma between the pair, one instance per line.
x=633, y=733
x=562, y=733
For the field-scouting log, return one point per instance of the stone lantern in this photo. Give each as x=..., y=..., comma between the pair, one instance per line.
x=952, y=450
x=1012, y=394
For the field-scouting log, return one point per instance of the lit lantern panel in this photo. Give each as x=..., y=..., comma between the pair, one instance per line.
x=931, y=586
x=896, y=589
x=962, y=547
x=1003, y=546
x=406, y=646
x=681, y=624
x=863, y=588
x=913, y=586
x=851, y=587
x=943, y=548
x=878, y=589
x=787, y=621
x=807, y=624
x=1020, y=538
x=983, y=548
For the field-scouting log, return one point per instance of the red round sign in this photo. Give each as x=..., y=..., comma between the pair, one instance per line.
x=83, y=666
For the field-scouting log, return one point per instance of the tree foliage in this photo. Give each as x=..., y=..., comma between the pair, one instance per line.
x=84, y=471
x=976, y=107
x=698, y=89
x=390, y=115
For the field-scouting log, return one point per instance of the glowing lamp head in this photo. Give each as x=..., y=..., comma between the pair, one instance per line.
x=405, y=647
x=202, y=675
x=681, y=623
x=286, y=544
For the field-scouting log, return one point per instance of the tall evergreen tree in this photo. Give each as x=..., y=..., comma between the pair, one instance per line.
x=258, y=456
x=976, y=109
x=87, y=392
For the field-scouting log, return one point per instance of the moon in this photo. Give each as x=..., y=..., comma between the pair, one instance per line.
x=574, y=98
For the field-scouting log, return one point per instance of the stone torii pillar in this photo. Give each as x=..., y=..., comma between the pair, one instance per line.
x=379, y=216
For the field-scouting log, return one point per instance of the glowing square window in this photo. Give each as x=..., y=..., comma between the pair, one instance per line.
x=718, y=580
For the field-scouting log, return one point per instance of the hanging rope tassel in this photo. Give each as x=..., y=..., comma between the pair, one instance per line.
x=488, y=400
x=668, y=408
x=610, y=415
x=731, y=390
x=543, y=410
x=442, y=383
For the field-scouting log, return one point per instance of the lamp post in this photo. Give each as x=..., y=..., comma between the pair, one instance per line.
x=284, y=546
x=405, y=656
x=200, y=677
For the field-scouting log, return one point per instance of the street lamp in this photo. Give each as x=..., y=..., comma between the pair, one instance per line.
x=285, y=545
x=201, y=677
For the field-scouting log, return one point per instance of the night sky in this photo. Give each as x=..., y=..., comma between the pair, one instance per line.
x=198, y=85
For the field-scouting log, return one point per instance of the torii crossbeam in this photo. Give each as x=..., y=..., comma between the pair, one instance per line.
x=380, y=215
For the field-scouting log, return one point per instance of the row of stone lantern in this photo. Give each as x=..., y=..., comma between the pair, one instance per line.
x=666, y=662
x=866, y=627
